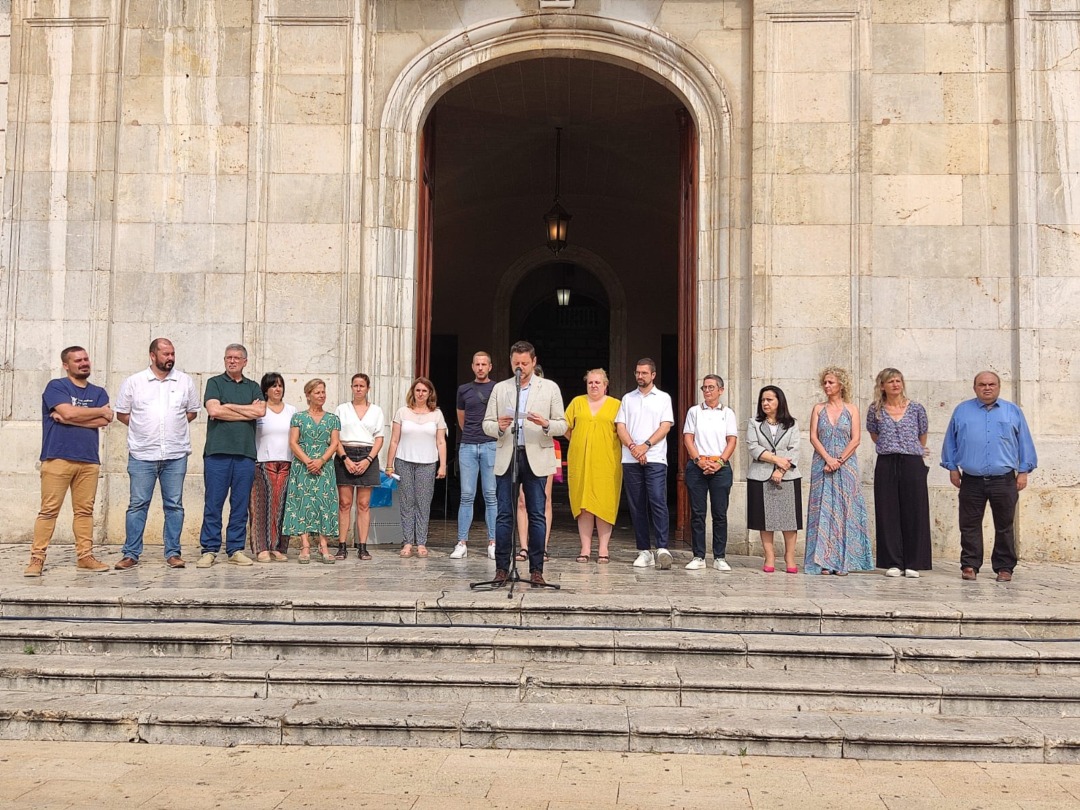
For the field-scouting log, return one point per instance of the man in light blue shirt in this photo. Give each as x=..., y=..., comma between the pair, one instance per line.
x=988, y=452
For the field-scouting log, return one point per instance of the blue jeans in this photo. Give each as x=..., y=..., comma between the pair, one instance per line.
x=535, y=503
x=143, y=475
x=646, y=495
x=226, y=475
x=703, y=488
x=473, y=460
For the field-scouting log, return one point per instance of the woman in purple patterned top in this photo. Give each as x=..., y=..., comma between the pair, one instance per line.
x=898, y=427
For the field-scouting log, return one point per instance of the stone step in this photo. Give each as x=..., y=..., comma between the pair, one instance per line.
x=566, y=684
x=824, y=653
x=209, y=720
x=564, y=609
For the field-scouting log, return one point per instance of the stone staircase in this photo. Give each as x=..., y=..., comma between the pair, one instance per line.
x=685, y=672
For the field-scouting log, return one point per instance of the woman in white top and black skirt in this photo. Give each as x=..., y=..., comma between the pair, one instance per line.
x=273, y=460
x=356, y=464
x=773, y=493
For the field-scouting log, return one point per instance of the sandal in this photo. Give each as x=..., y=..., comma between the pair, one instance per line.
x=277, y=556
x=362, y=552
x=522, y=555
x=603, y=559
x=406, y=550
x=326, y=557
x=262, y=557
x=421, y=551
x=546, y=557
x=342, y=552
x=584, y=558
x=304, y=558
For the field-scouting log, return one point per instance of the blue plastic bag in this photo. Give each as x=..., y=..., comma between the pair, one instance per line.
x=383, y=494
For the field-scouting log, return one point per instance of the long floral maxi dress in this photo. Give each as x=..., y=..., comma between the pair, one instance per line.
x=311, y=506
x=838, y=527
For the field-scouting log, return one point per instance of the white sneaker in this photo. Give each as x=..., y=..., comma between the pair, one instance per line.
x=910, y=573
x=663, y=559
x=240, y=558
x=460, y=550
x=644, y=560
x=206, y=560
x=893, y=572
x=695, y=564
x=720, y=564
x=491, y=550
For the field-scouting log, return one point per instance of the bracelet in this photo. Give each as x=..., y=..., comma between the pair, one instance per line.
x=369, y=460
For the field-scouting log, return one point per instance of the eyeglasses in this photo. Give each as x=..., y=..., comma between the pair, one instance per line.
x=710, y=388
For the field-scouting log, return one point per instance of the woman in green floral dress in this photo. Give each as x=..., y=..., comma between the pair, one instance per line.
x=311, y=506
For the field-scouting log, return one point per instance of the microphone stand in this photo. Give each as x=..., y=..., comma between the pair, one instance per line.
x=513, y=577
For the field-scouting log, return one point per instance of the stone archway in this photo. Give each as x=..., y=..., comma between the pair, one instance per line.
x=604, y=273
x=388, y=292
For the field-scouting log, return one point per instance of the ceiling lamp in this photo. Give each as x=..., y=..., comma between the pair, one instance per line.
x=557, y=219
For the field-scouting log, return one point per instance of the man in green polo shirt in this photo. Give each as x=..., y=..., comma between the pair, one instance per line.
x=233, y=403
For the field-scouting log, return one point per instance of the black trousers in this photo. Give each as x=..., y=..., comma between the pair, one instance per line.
x=1001, y=493
x=902, y=512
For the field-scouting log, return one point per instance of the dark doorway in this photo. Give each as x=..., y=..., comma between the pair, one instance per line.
x=622, y=181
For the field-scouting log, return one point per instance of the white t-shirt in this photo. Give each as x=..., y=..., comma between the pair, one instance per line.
x=642, y=415
x=418, y=432
x=272, y=435
x=360, y=431
x=710, y=428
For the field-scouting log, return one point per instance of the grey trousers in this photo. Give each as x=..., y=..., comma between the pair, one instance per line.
x=415, y=491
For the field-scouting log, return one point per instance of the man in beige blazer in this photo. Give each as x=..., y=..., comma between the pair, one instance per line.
x=542, y=419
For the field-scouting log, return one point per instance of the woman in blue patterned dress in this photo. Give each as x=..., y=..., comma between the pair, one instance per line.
x=837, y=529
x=311, y=506
x=898, y=427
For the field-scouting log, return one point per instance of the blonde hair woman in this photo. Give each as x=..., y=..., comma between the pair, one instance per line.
x=898, y=427
x=594, y=464
x=311, y=505
x=837, y=529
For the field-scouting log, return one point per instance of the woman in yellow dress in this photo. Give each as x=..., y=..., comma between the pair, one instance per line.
x=594, y=464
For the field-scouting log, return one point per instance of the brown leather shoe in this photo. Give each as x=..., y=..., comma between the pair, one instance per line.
x=500, y=579
x=1004, y=576
x=536, y=579
x=88, y=563
x=968, y=574
x=174, y=562
x=126, y=564
x=34, y=568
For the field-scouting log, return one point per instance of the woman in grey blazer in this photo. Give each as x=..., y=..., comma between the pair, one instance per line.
x=773, y=490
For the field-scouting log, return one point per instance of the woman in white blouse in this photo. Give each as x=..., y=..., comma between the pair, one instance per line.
x=356, y=464
x=273, y=460
x=418, y=455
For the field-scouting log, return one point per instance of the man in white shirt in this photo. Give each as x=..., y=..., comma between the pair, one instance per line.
x=157, y=404
x=644, y=419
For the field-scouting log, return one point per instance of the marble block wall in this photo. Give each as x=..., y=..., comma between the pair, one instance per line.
x=881, y=183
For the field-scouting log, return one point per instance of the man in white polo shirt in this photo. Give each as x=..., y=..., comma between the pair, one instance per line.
x=643, y=422
x=157, y=404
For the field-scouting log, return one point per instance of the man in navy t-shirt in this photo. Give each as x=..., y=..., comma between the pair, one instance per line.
x=72, y=411
x=476, y=455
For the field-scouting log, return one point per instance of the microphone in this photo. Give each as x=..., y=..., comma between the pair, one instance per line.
x=517, y=373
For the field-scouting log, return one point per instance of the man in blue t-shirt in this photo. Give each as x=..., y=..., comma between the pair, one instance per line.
x=72, y=411
x=476, y=455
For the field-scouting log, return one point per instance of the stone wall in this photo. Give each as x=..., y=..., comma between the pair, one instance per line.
x=882, y=183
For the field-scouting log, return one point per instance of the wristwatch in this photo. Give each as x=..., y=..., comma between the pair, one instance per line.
x=647, y=443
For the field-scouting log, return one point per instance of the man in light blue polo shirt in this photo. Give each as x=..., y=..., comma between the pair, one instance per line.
x=988, y=452
x=644, y=419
